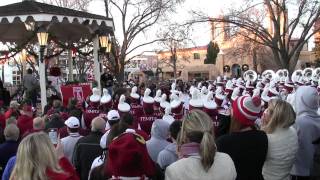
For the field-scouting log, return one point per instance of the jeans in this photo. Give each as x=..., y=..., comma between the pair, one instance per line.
x=110, y=90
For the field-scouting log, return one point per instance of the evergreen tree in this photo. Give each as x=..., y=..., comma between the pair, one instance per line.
x=212, y=53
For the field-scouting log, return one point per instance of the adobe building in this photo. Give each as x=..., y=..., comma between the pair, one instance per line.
x=236, y=55
x=190, y=64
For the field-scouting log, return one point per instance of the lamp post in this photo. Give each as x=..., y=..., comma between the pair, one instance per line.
x=222, y=54
x=101, y=39
x=43, y=40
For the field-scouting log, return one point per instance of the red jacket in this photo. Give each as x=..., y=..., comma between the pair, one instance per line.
x=90, y=113
x=2, y=121
x=136, y=110
x=146, y=121
x=69, y=171
x=25, y=123
x=9, y=112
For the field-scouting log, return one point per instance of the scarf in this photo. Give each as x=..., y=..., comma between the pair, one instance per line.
x=189, y=149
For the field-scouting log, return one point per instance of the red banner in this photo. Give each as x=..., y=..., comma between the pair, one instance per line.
x=79, y=91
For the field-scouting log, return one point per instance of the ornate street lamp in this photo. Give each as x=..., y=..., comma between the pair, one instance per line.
x=108, y=49
x=43, y=41
x=104, y=40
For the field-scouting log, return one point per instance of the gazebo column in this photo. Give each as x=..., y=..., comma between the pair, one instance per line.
x=70, y=65
x=96, y=64
x=43, y=90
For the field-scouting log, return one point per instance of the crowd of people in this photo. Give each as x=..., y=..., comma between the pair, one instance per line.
x=232, y=128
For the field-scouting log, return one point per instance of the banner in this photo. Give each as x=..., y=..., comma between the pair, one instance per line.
x=78, y=91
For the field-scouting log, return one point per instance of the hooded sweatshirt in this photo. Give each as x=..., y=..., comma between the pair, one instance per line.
x=167, y=156
x=308, y=128
x=157, y=142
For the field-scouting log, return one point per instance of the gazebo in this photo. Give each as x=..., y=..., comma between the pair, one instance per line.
x=35, y=22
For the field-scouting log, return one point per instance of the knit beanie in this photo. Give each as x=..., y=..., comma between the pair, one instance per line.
x=246, y=109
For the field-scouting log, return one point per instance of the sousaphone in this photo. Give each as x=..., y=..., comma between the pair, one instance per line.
x=307, y=74
x=268, y=74
x=250, y=75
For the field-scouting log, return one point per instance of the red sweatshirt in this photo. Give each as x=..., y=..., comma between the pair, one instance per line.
x=69, y=171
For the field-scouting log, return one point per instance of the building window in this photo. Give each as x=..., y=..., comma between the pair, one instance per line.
x=16, y=77
x=196, y=55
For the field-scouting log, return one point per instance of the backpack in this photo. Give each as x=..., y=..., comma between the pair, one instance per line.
x=315, y=169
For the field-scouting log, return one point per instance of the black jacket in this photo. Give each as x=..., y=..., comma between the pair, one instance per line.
x=85, y=151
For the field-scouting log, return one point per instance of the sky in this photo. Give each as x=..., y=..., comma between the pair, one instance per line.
x=200, y=35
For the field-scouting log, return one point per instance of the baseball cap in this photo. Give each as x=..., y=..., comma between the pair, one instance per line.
x=113, y=115
x=72, y=122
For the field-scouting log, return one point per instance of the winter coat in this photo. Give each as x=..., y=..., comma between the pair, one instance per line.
x=308, y=128
x=25, y=123
x=7, y=150
x=191, y=168
x=158, y=140
x=282, y=150
x=69, y=171
x=167, y=156
x=85, y=151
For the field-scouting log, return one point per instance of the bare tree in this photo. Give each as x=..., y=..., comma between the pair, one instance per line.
x=80, y=5
x=136, y=17
x=175, y=39
x=273, y=27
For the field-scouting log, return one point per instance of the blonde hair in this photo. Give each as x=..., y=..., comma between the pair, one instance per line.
x=281, y=115
x=35, y=155
x=197, y=127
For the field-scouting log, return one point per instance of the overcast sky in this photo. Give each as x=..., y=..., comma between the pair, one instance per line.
x=201, y=33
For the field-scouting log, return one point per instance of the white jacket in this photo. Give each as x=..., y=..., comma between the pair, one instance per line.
x=69, y=143
x=191, y=168
x=282, y=150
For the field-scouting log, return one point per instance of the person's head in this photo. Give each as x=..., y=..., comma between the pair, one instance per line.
x=174, y=129
x=73, y=124
x=56, y=103
x=279, y=114
x=160, y=129
x=14, y=105
x=307, y=100
x=35, y=155
x=11, y=120
x=54, y=117
x=128, y=156
x=197, y=127
x=29, y=71
x=245, y=111
x=127, y=118
x=38, y=123
x=98, y=124
x=76, y=113
x=113, y=117
x=116, y=130
x=72, y=103
x=11, y=132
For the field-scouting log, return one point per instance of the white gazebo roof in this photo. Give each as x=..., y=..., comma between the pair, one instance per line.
x=19, y=21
